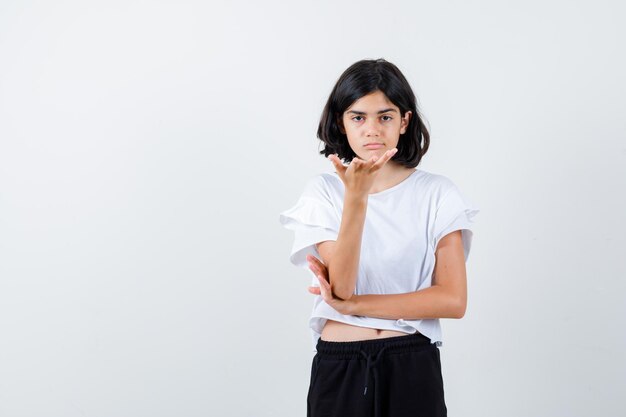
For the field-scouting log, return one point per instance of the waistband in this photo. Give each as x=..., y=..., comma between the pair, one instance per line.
x=352, y=349
x=371, y=350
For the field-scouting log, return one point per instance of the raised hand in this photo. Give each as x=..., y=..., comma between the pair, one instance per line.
x=358, y=177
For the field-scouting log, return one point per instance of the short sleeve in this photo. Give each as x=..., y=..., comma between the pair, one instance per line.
x=313, y=219
x=455, y=212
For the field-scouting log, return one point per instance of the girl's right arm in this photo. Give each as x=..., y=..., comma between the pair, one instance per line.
x=341, y=257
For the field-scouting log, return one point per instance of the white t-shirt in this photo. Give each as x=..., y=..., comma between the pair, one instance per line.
x=403, y=225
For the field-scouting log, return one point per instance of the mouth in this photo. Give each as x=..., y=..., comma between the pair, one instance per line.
x=373, y=145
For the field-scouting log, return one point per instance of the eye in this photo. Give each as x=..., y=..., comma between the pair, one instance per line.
x=355, y=118
x=389, y=118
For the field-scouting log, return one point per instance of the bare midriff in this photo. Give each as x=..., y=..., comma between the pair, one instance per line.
x=336, y=331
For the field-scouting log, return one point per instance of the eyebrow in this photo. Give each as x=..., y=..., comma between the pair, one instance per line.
x=362, y=112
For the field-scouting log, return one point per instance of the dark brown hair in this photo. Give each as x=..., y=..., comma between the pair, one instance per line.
x=362, y=78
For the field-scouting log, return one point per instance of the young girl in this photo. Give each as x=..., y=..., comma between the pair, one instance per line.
x=387, y=243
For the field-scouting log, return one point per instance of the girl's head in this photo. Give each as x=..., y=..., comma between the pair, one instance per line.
x=372, y=102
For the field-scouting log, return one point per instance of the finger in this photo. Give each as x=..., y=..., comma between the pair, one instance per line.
x=314, y=267
x=355, y=163
x=334, y=159
x=381, y=159
x=324, y=288
x=370, y=162
x=315, y=260
x=311, y=258
x=323, y=282
x=385, y=157
x=359, y=165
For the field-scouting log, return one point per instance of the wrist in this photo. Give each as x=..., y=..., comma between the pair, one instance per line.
x=355, y=197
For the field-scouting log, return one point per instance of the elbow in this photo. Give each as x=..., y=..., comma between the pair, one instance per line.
x=452, y=303
x=459, y=314
x=459, y=309
x=341, y=291
x=342, y=294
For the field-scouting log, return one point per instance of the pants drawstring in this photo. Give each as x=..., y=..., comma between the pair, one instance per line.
x=371, y=364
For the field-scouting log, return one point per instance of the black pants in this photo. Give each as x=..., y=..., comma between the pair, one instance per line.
x=391, y=377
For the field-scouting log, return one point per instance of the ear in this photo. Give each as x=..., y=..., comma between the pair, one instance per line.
x=405, y=122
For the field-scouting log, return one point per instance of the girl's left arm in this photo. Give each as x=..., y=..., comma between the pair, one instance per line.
x=445, y=298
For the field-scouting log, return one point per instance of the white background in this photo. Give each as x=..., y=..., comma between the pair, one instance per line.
x=146, y=149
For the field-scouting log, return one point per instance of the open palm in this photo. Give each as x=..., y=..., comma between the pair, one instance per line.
x=321, y=272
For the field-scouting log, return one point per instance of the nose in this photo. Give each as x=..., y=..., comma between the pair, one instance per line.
x=372, y=128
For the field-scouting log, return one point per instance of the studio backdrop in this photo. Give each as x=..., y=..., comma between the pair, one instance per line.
x=147, y=148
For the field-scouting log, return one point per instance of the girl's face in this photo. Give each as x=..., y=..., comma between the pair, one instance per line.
x=373, y=125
